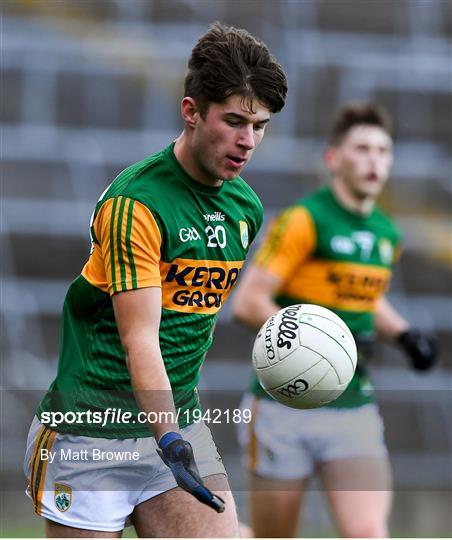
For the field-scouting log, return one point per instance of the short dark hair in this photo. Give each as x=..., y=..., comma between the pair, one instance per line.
x=353, y=114
x=228, y=61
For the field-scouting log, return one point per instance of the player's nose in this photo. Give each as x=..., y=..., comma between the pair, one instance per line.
x=246, y=137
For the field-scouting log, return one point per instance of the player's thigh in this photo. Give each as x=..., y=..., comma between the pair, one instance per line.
x=278, y=463
x=56, y=530
x=176, y=513
x=272, y=443
x=245, y=531
x=275, y=506
x=359, y=494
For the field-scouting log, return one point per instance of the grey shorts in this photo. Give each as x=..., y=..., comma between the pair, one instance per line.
x=287, y=444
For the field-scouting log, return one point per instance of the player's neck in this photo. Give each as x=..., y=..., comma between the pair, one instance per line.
x=357, y=205
x=184, y=155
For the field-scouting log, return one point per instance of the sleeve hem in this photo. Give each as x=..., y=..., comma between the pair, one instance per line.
x=142, y=284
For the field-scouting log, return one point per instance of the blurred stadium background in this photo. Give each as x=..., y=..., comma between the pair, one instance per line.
x=89, y=87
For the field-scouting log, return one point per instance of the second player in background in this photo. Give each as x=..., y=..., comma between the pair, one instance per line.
x=334, y=248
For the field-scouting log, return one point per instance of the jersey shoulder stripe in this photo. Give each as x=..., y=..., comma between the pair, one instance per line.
x=291, y=239
x=127, y=254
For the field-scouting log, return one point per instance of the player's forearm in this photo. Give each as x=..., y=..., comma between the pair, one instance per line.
x=388, y=322
x=152, y=388
x=254, y=311
x=253, y=302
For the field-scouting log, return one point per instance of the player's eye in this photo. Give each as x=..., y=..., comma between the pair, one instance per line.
x=235, y=122
x=362, y=148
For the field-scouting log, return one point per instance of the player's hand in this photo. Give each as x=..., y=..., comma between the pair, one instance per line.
x=178, y=455
x=365, y=346
x=421, y=349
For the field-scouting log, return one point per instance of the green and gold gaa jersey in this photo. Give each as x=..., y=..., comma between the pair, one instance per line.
x=154, y=226
x=329, y=256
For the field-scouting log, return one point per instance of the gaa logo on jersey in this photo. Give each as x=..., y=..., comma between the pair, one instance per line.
x=244, y=233
x=63, y=496
x=188, y=233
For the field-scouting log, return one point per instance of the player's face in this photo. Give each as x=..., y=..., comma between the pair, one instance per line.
x=225, y=139
x=363, y=161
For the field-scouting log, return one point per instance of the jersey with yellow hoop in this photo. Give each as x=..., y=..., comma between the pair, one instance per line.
x=154, y=226
x=327, y=255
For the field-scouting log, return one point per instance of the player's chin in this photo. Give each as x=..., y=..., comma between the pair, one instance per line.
x=371, y=189
x=231, y=174
x=375, y=191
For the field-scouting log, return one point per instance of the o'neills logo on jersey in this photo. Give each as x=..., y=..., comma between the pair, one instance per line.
x=216, y=216
x=197, y=286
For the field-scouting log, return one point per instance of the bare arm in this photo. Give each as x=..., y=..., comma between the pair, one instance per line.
x=253, y=302
x=137, y=315
x=388, y=321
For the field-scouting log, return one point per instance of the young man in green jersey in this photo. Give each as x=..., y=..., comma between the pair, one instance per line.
x=169, y=238
x=333, y=248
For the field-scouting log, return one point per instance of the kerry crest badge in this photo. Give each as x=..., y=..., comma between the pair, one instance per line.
x=244, y=237
x=63, y=496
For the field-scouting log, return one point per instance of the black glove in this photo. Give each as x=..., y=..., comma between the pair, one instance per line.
x=421, y=349
x=365, y=346
x=178, y=455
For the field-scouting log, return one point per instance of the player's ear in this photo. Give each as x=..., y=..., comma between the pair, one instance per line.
x=330, y=158
x=189, y=111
